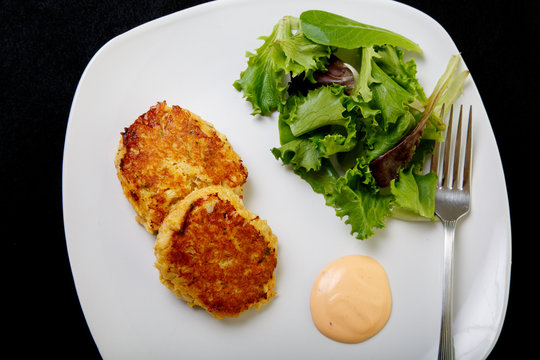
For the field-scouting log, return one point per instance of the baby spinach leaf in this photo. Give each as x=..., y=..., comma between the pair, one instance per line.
x=332, y=129
x=334, y=30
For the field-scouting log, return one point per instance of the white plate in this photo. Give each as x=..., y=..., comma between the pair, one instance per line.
x=191, y=59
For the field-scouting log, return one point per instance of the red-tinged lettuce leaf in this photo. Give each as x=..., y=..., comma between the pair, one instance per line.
x=333, y=125
x=386, y=167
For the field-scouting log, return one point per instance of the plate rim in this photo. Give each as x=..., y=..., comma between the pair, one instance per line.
x=201, y=8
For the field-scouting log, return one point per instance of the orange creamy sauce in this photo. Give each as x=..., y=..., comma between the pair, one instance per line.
x=351, y=299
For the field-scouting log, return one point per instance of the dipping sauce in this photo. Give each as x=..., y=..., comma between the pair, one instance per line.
x=351, y=299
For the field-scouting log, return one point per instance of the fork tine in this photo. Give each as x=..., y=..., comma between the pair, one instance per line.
x=457, y=153
x=445, y=175
x=468, y=154
x=451, y=203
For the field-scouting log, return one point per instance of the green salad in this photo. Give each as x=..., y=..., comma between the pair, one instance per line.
x=354, y=122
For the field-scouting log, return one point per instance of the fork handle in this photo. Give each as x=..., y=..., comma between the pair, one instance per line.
x=446, y=342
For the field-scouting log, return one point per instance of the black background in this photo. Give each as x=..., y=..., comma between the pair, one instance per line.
x=46, y=45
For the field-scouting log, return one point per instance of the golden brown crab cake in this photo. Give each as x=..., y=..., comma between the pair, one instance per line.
x=166, y=154
x=212, y=252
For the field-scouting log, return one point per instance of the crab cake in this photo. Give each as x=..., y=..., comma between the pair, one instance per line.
x=212, y=252
x=166, y=154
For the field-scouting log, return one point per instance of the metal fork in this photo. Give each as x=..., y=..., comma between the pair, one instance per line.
x=452, y=201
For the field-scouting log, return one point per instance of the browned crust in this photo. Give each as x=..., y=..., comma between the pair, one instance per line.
x=213, y=252
x=166, y=154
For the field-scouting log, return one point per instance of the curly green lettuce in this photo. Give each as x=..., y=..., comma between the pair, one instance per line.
x=330, y=132
x=286, y=51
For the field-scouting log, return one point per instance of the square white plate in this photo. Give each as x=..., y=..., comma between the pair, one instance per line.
x=191, y=58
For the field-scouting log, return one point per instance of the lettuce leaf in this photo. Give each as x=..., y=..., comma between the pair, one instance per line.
x=365, y=76
x=328, y=133
x=415, y=192
x=321, y=107
x=352, y=196
x=264, y=82
x=390, y=60
x=313, y=127
x=389, y=96
x=301, y=153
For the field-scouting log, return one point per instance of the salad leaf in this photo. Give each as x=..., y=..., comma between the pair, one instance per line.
x=302, y=153
x=264, y=80
x=364, y=211
x=351, y=197
x=303, y=55
x=320, y=108
x=346, y=96
x=303, y=142
x=365, y=77
x=389, y=96
x=386, y=167
x=415, y=192
x=330, y=29
x=390, y=60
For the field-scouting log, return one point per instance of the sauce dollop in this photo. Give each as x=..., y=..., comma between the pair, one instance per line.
x=351, y=299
